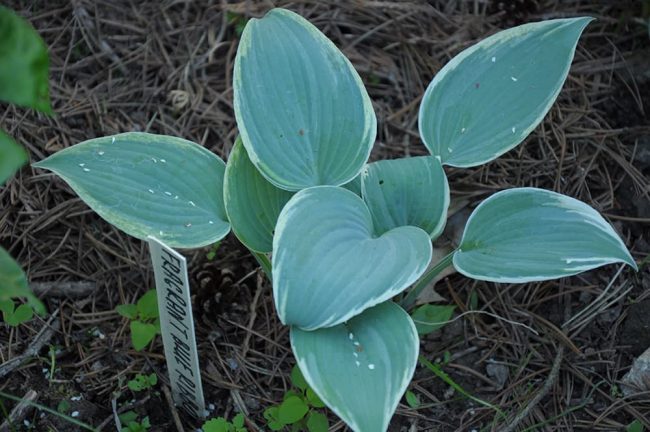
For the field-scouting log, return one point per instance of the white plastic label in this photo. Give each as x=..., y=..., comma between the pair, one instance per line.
x=177, y=327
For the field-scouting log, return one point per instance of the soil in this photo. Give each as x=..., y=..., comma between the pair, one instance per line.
x=166, y=67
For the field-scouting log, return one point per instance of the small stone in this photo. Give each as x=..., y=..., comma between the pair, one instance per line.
x=637, y=380
x=499, y=373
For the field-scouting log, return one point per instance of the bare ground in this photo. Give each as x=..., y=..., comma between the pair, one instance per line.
x=166, y=67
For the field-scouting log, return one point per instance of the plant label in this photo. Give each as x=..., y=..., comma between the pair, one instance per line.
x=177, y=327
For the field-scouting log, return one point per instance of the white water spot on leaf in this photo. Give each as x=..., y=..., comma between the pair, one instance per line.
x=211, y=222
x=163, y=161
x=113, y=140
x=192, y=204
x=449, y=150
x=355, y=354
x=101, y=153
x=356, y=343
x=513, y=78
x=86, y=170
x=187, y=225
x=151, y=191
x=514, y=129
x=371, y=366
x=494, y=59
x=161, y=233
x=358, y=363
x=351, y=336
x=462, y=130
x=176, y=197
x=82, y=164
x=168, y=193
x=154, y=160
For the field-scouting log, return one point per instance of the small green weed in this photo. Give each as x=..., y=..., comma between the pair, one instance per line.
x=298, y=408
x=220, y=424
x=145, y=321
x=212, y=253
x=130, y=422
x=142, y=382
x=14, y=316
x=635, y=426
x=238, y=21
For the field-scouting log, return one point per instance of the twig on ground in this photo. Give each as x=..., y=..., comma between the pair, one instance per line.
x=172, y=407
x=75, y=290
x=253, y=310
x=19, y=412
x=33, y=349
x=550, y=380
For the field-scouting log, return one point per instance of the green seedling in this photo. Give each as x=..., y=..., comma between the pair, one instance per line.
x=299, y=409
x=144, y=317
x=142, y=382
x=220, y=424
x=130, y=422
x=212, y=253
x=341, y=238
x=412, y=399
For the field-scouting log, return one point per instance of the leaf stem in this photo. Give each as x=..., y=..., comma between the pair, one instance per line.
x=408, y=301
x=264, y=262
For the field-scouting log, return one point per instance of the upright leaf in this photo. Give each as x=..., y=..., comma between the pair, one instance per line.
x=252, y=203
x=12, y=156
x=304, y=115
x=327, y=264
x=23, y=63
x=149, y=185
x=362, y=368
x=488, y=98
x=528, y=234
x=411, y=191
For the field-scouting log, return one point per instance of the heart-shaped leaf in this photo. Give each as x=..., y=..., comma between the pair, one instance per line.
x=304, y=115
x=488, y=98
x=141, y=334
x=12, y=157
x=411, y=191
x=149, y=185
x=362, y=368
x=24, y=65
x=327, y=264
x=528, y=234
x=252, y=203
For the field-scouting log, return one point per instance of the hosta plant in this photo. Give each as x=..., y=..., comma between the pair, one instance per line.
x=345, y=237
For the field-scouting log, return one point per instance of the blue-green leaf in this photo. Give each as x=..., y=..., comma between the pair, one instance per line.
x=327, y=264
x=23, y=63
x=488, y=98
x=411, y=191
x=528, y=234
x=12, y=157
x=362, y=368
x=304, y=115
x=252, y=203
x=149, y=185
